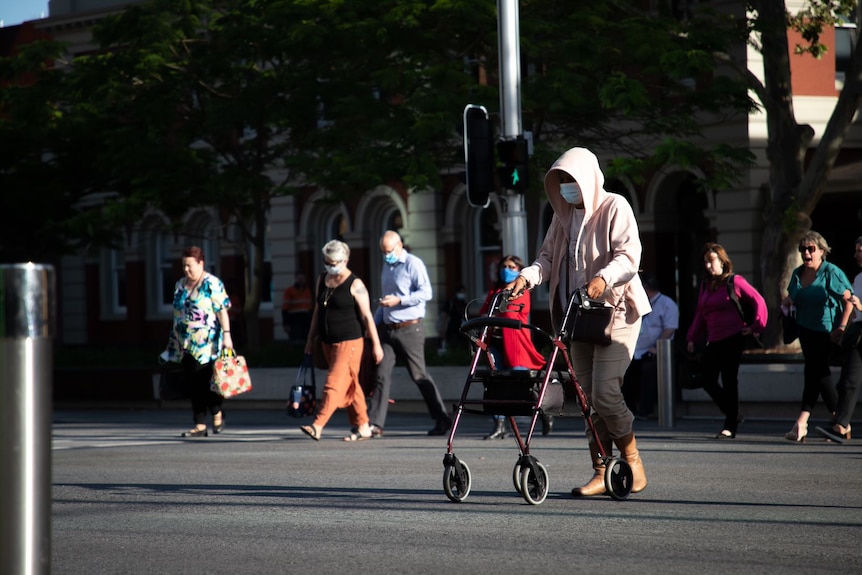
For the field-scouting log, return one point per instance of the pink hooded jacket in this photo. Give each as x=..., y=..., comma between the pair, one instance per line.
x=609, y=239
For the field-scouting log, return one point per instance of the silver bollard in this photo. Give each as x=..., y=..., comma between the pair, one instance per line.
x=27, y=317
x=664, y=358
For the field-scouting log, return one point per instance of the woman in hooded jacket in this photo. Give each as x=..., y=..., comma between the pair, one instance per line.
x=593, y=242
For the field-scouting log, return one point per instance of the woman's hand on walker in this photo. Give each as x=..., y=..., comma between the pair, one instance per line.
x=517, y=287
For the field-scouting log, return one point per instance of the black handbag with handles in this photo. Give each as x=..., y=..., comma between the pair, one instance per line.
x=591, y=321
x=302, y=401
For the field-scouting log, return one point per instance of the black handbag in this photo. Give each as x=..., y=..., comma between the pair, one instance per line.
x=591, y=321
x=302, y=401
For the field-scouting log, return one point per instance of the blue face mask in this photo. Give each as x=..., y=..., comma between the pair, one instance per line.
x=390, y=258
x=571, y=193
x=508, y=275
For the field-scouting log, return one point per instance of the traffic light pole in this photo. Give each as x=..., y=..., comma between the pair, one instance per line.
x=508, y=32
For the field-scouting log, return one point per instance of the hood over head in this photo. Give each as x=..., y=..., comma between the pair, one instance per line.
x=583, y=166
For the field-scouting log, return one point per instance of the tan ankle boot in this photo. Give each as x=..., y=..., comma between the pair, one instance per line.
x=596, y=485
x=629, y=450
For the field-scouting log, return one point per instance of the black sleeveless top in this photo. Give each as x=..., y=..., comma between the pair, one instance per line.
x=338, y=316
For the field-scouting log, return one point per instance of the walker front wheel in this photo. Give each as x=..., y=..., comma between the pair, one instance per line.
x=618, y=478
x=516, y=477
x=534, y=485
x=456, y=484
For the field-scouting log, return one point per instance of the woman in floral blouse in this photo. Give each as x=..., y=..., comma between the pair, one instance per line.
x=200, y=330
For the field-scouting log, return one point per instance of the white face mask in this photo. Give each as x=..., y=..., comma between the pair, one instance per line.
x=333, y=270
x=571, y=192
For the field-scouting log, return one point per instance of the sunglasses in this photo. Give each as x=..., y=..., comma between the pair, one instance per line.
x=809, y=249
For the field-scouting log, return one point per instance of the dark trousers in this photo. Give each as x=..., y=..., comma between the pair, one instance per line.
x=721, y=358
x=408, y=344
x=198, y=378
x=848, y=386
x=640, y=385
x=817, y=373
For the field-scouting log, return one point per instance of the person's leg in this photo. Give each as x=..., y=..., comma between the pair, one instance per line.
x=378, y=403
x=581, y=355
x=357, y=410
x=341, y=356
x=197, y=379
x=411, y=342
x=848, y=387
x=609, y=364
x=710, y=367
x=815, y=349
x=730, y=350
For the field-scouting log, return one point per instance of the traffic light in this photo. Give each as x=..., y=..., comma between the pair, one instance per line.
x=514, y=157
x=478, y=155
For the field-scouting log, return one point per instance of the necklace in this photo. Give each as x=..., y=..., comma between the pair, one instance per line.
x=326, y=295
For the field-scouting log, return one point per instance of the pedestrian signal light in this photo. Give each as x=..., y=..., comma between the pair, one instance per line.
x=513, y=171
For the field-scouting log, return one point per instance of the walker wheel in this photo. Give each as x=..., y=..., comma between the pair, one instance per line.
x=534, y=486
x=618, y=479
x=516, y=477
x=456, y=485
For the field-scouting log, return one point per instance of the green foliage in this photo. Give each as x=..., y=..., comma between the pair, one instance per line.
x=229, y=103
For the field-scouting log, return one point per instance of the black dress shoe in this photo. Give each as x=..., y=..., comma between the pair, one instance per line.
x=442, y=427
x=195, y=432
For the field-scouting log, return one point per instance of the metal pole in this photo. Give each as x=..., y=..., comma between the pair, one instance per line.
x=27, y=311
x=508, y=32
x=664, y=357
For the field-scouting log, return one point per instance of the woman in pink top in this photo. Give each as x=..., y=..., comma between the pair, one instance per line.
x=718, y=323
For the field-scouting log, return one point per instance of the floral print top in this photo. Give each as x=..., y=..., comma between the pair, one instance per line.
x=196, y=328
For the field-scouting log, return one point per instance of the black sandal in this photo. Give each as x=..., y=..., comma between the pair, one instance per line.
x=195, y=432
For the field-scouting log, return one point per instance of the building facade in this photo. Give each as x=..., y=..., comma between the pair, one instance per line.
x=123, y=296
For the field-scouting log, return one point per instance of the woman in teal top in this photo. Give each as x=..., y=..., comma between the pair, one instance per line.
x=820, y=291
x=201, y=328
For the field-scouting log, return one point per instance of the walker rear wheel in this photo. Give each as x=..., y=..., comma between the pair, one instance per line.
x=618, y=478
x=456, y=485
x=534, y=486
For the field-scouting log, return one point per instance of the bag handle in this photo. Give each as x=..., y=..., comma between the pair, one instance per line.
x=306, y=367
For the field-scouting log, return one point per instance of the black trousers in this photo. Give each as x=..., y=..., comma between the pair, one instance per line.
x=816, y=346
x=198, y=378
x=721, y=358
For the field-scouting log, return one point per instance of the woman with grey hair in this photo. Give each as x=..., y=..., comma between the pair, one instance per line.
x=342, y=312
x=821, y=293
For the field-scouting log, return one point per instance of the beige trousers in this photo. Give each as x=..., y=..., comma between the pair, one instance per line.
x=600, y=371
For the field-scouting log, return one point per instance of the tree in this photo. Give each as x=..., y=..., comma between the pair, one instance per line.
x=231, y=103
x=41, y=162
x=797, y=171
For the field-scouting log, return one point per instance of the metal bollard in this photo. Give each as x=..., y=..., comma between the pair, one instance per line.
x=664, y=357
x=27, y=316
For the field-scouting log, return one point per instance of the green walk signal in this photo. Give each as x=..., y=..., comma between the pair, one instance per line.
x=513, y=155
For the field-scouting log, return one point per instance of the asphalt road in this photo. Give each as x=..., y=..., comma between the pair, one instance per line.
x=130, y=496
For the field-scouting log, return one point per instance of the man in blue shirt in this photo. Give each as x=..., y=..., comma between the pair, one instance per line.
x=641, y=379
x=406, y=289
